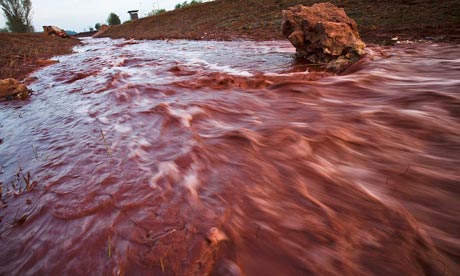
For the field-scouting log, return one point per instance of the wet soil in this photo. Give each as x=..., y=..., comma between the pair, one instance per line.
x=21, y=54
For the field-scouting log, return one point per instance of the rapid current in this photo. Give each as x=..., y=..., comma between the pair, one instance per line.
x=229, y=158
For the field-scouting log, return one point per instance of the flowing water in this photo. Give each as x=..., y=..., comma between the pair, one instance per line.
x=228, y=158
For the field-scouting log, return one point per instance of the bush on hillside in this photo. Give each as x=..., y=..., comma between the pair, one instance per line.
x=156, y=12
x=186, y=4
x=113, y=19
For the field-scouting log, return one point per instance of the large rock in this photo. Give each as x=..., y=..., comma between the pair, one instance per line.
x=12, y=88
x=323, y=34
x=55, y=31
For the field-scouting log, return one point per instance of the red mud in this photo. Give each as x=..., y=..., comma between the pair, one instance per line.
x=218, y=158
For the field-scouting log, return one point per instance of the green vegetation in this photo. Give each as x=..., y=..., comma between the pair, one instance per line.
x=156, y=12
x=113, y=19
x=186, y=4
x=18, y=15
x=97, y=26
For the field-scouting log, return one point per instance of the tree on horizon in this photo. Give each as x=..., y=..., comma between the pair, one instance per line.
x=18, y=15
x=113, y=19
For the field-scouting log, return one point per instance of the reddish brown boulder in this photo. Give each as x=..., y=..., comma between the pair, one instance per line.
x=12, y=88
x=55, y=31
x=323, y=34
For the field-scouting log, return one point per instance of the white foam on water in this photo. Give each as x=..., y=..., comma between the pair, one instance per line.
x=122, y=128
x=82, y=110
x=271, y=74
x=143, y=142
x=216, y=128
x=299, y=124
x=229, y=70
x=191, y=181
x=165, y=169
x=103, y=120
x=198, y=62
x=186, y=115
x=137, y=148
x=413, y=112
x=332, y=101
x=138, y=153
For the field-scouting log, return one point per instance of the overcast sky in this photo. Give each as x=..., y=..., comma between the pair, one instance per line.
x=79, y=15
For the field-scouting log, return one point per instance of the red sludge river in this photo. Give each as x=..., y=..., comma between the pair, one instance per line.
x=227, y=158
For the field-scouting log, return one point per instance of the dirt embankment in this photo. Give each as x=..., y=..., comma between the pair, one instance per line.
x=378, y=21
x=21, y=54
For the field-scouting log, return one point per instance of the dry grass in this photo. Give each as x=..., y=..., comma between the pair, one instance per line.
x=21, y=183
x=19, y=53
x=261, y=20
x=107, y=146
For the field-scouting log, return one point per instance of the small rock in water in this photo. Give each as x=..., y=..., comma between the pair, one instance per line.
x=323, y=34
x=12, y=88
x=215, y=236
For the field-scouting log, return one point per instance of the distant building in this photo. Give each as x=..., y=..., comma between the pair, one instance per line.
x=133, y=14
